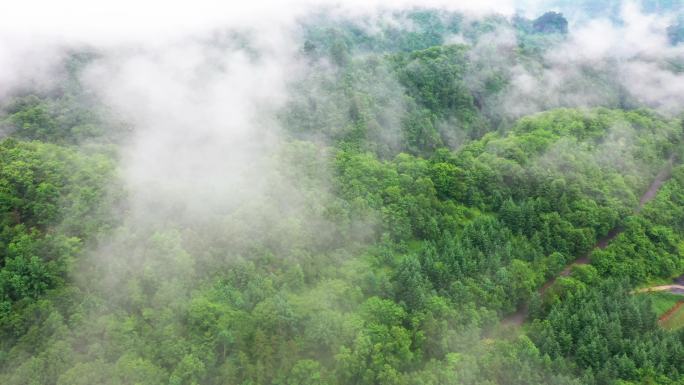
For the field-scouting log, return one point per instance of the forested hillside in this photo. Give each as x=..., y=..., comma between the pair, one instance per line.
x=405, y=196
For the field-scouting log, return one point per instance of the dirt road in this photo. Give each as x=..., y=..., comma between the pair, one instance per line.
x=519, y=317
x=674, y=289
x=657, y=183
x=668, y=314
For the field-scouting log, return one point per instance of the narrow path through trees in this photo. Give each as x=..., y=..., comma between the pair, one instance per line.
x=519, y=317
x=668, y=314
x=674, y=289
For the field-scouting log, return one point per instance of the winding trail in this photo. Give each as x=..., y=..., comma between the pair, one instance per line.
x=519, y=317
x=668, y=314
x=676, y=288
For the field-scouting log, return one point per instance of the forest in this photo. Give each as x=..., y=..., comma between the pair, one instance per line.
x=404, y=196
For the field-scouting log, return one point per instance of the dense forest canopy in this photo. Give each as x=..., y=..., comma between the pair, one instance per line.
x=330, y=194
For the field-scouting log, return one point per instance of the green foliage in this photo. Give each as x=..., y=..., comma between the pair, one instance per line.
x=66, y=120
x=45, y=192
x=428, y=28
x=674, y=321
x=610, y=334
x=662, y=301
x=551, y=22
x=425, y=218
